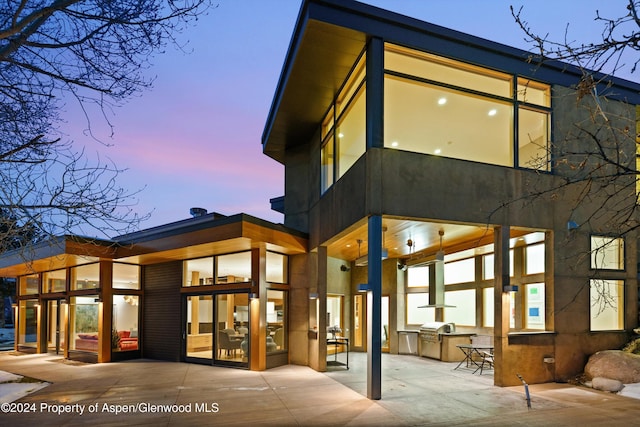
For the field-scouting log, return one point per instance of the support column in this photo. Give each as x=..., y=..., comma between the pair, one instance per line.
x=501, y=302
x=374, y=308
x=375, y=94
x=258, y=310
x=105, y=312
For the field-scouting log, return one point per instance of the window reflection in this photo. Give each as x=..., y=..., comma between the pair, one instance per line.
x=29, y=285
x=55, y=281
x=125, y=322
x=198, y=272
x=126, y=276
x=85, y=277
x=276, y=321
x=83, y=316
x=465, y=127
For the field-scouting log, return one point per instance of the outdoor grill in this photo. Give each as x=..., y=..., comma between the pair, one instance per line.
x=430, y=338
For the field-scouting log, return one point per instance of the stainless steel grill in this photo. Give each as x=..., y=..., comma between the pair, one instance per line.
x=430, y=338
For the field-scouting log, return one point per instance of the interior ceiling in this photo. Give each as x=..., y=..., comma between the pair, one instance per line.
x=424, y=237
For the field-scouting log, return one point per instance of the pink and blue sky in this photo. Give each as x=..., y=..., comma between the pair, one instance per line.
x=194, y=140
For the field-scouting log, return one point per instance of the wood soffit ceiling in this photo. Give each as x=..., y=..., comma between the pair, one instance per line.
x=424, y=236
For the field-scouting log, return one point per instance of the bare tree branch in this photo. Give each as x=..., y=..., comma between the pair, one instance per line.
x=97, y=53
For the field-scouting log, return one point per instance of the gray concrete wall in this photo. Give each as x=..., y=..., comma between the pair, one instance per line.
x=404, y=184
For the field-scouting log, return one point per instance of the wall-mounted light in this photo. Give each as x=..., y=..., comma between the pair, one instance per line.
x=344, y=267
x=253, y=295
x=99, y=299
x=64, y=301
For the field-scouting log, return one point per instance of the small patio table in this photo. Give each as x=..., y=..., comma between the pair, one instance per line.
x=471, y=350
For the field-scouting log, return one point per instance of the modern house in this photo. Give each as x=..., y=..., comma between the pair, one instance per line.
x=425, y=186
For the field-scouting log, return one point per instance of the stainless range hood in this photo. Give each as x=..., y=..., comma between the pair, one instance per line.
x=438, y=288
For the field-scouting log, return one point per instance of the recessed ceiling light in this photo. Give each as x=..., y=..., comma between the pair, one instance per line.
x=493, y=112
x=442, y=101
x=394, y=144
x=340, y=135
x=437, y=151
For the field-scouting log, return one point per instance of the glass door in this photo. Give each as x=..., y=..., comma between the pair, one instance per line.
x=358, y=321
x=198, y=328
x=384, y=315
x=232, y=329
x=55, y=326
x=216, y=329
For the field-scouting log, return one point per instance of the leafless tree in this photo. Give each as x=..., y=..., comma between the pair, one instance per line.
x=594, y=156
x=93, y=52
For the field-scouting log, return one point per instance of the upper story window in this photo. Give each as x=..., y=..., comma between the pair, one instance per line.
x=607, y=253
x=55, y=281
x=29, y=285
x=343, y=128
x=221, y=269
x=85, y=277
x=439, y=106
x=277, y=268
x=126, y=276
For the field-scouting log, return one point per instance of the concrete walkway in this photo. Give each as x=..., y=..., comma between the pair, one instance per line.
x=416, y=392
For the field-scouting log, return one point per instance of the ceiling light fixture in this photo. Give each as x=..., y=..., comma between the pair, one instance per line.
x=442, y=101
x=493, y=112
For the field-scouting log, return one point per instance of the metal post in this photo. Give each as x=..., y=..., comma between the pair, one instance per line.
x=374, y=300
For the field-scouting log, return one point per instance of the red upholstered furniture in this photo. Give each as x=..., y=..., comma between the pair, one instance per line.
x=87, y=342
x=127, y=342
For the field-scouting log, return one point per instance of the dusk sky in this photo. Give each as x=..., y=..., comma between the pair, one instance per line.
x=195, y=138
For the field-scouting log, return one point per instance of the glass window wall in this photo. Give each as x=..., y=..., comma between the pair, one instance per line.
x=462, y=271
x=126, y=276
x=447, y=71
x=28, y=322
x=277, y=320
x=83, y=321
x=54, y=281
x=465, y=282
x=533, y=139
x=439, y=106
x=351, y=136
x=343, y=128
x=607, y=253
x=416, y=313
x=198, y=272
x=607, y=305
x=85, y=277
x=30, y=285
x=200, y=326
x=430, y=119
x=233, y=268
x=488, y=307
x=277, y=268
x=463, y=311
x=418, y=276
x=125, y=322
x=232, y=328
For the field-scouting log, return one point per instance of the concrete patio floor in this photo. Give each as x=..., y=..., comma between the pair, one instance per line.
x=415, y=392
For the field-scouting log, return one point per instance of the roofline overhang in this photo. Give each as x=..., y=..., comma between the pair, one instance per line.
x=286, y=123
x=205, y=235
x=54, y=253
